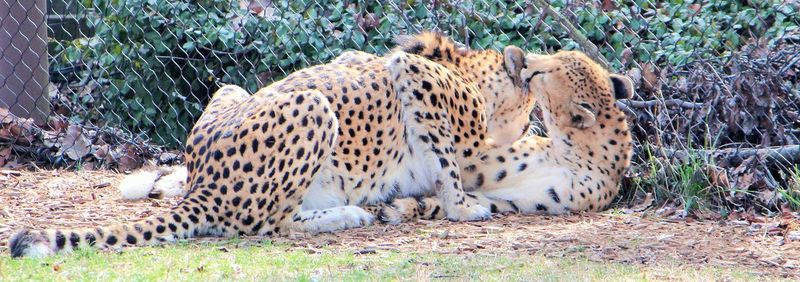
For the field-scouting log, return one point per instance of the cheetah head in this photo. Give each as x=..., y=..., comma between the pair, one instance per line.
x=573, y=88
x=510, y=103
x=496, y=74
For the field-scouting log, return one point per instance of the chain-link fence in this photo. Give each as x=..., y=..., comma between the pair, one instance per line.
x=716, y=116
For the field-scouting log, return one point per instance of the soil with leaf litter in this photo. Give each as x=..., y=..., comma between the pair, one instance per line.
x=641, y=235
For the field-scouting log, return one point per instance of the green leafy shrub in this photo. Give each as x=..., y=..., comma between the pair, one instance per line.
x=158, y=61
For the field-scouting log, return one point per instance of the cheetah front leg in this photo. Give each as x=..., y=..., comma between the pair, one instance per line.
x=429, y=208
x=429, y=133
x=332, y=219
x=292, y=151
x=322, y=214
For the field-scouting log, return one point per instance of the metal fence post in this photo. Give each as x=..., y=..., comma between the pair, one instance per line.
x=23, y=59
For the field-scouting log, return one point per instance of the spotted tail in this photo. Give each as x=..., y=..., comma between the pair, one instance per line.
x=182, y=222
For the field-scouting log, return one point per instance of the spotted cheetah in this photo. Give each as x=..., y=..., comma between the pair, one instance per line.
x=578, y=168
x=308, y=152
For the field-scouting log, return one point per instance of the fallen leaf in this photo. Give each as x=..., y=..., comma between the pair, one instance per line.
x=645, y=204
x=608, y=5
x=717, y=176
x=695, y=8
x=650, y=77
x=75, y=144
x=5, y=154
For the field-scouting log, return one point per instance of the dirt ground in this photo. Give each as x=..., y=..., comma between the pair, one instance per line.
x=764, y=245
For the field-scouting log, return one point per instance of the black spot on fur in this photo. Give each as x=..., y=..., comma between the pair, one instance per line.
x=554, y=195
x=90, y=239
x=437, y=53
x=111, y=240
x=513, y=206
x=21, y=241
x=501, y=175
x=248, y=220
x=269, y=142
x=435, y=211
x=417, y=94
x=60, y=240
x=427, y=85
x=443, y=162
x=74, y=239
x=415, y=48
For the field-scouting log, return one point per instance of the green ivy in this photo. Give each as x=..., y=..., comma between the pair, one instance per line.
x=159, y=61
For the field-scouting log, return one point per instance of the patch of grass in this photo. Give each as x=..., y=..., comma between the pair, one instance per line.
x=686, y=182
x=217, y=261
x=791, y=193
x=691, y=182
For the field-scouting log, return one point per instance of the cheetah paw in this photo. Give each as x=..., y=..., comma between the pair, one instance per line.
x=468, y=212
x=402, y=210
x=390, y=215
x=335, y=219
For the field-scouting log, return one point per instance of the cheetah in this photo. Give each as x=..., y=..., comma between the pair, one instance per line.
x=578, y=168
x=309, y=152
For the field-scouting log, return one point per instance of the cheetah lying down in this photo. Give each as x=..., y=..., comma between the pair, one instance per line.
x=578, y=168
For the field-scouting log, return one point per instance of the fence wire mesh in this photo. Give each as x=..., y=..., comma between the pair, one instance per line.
x=112, y=83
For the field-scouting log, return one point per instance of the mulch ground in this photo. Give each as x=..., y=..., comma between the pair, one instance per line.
x=764, y=245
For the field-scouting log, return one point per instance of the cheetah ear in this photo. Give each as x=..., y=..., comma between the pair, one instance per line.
x=514, y=59
x=410, y=44
x=623, y=86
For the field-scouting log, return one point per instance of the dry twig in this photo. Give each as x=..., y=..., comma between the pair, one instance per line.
x=668, y=103
x=779, y=155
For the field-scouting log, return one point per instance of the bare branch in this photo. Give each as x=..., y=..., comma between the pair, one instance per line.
x=624, y=107
x=668, y=103
x=785, y=155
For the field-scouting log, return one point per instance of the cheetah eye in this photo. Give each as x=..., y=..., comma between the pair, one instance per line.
x=586, y=106
x=528, y=80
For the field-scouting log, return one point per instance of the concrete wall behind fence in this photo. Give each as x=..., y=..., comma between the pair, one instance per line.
x=23, y=59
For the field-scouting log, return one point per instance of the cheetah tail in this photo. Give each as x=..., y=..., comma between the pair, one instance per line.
x=154, y=182
x=184, y=221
